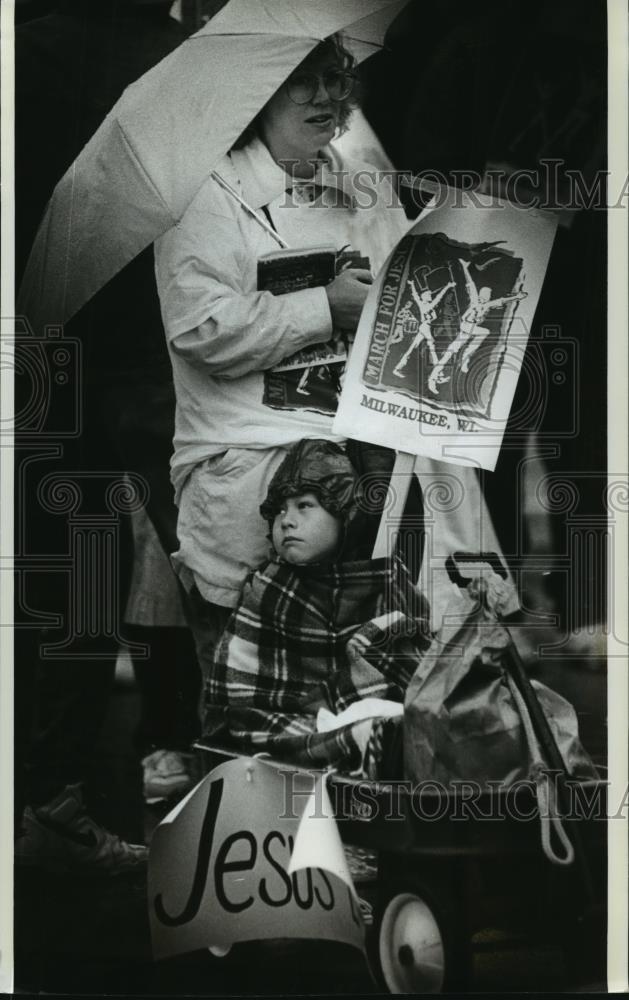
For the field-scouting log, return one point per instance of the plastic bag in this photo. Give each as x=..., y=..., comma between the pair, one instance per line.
x=461, y=719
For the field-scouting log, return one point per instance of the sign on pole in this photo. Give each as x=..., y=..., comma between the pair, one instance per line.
x=442, y=336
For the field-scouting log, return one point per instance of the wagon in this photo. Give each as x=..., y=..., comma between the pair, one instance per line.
x=453, y=864
x=455, y=861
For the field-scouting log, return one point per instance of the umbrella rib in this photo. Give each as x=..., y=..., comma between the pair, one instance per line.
x=241, y=201
x=365, y=41
x=273, y=34
x=255, y=34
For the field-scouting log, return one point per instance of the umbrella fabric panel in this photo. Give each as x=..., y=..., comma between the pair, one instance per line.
x=122, y=191
x=70, y=260
x=226, y=83
x=307, y=20
x=130, y=183
x=366, y=35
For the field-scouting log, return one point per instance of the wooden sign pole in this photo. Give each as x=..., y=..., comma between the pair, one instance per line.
x=394, y=508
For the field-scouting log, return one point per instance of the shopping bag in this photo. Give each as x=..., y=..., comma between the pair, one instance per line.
x=463, y=718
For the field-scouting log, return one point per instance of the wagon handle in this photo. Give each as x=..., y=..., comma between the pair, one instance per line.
x=492, y=558
x=516, y=669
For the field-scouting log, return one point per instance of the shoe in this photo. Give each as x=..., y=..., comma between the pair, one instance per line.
x=166, y=774
x=61, y=837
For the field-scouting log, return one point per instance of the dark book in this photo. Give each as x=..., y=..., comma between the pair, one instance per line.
x=291, y=270
x=351, y=258
x=283, y=271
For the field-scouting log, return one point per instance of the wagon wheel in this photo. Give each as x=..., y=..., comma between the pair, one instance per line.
x=417, y=944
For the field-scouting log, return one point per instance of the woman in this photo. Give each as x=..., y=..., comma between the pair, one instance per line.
x=235, y=415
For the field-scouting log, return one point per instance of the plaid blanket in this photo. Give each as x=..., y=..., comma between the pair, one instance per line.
x=309, y=637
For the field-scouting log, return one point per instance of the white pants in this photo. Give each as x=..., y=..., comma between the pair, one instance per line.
x=222, y=535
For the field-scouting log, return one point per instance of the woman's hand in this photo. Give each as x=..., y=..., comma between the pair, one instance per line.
x=346, y=296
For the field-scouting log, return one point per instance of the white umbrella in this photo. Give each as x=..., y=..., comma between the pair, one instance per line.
x=138, y=173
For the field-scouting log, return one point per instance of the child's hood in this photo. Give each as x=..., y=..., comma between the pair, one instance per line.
x=319, y=467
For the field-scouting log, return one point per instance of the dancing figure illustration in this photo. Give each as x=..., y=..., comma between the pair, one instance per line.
x=471, y=334
x=322, y=373
x=427, y=305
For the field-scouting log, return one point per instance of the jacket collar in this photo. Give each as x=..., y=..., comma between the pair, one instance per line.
x=263, y=180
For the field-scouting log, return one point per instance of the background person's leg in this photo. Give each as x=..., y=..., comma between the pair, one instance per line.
x=208, y=622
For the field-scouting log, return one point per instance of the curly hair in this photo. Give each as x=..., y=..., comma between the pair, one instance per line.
x=331, y=46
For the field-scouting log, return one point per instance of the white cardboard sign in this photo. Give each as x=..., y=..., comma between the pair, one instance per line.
x=219, y=865
x=442, y=336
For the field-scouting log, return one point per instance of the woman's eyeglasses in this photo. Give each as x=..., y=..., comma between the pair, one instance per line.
x=302, y=87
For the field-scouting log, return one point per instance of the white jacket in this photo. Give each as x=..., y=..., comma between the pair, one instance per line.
x=223, y=334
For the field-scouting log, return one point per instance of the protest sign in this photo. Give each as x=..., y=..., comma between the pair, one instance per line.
x=315, y=841
x=442, y=336
x=219, y=864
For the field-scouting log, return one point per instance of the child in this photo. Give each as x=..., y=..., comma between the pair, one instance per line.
x=316, y=630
